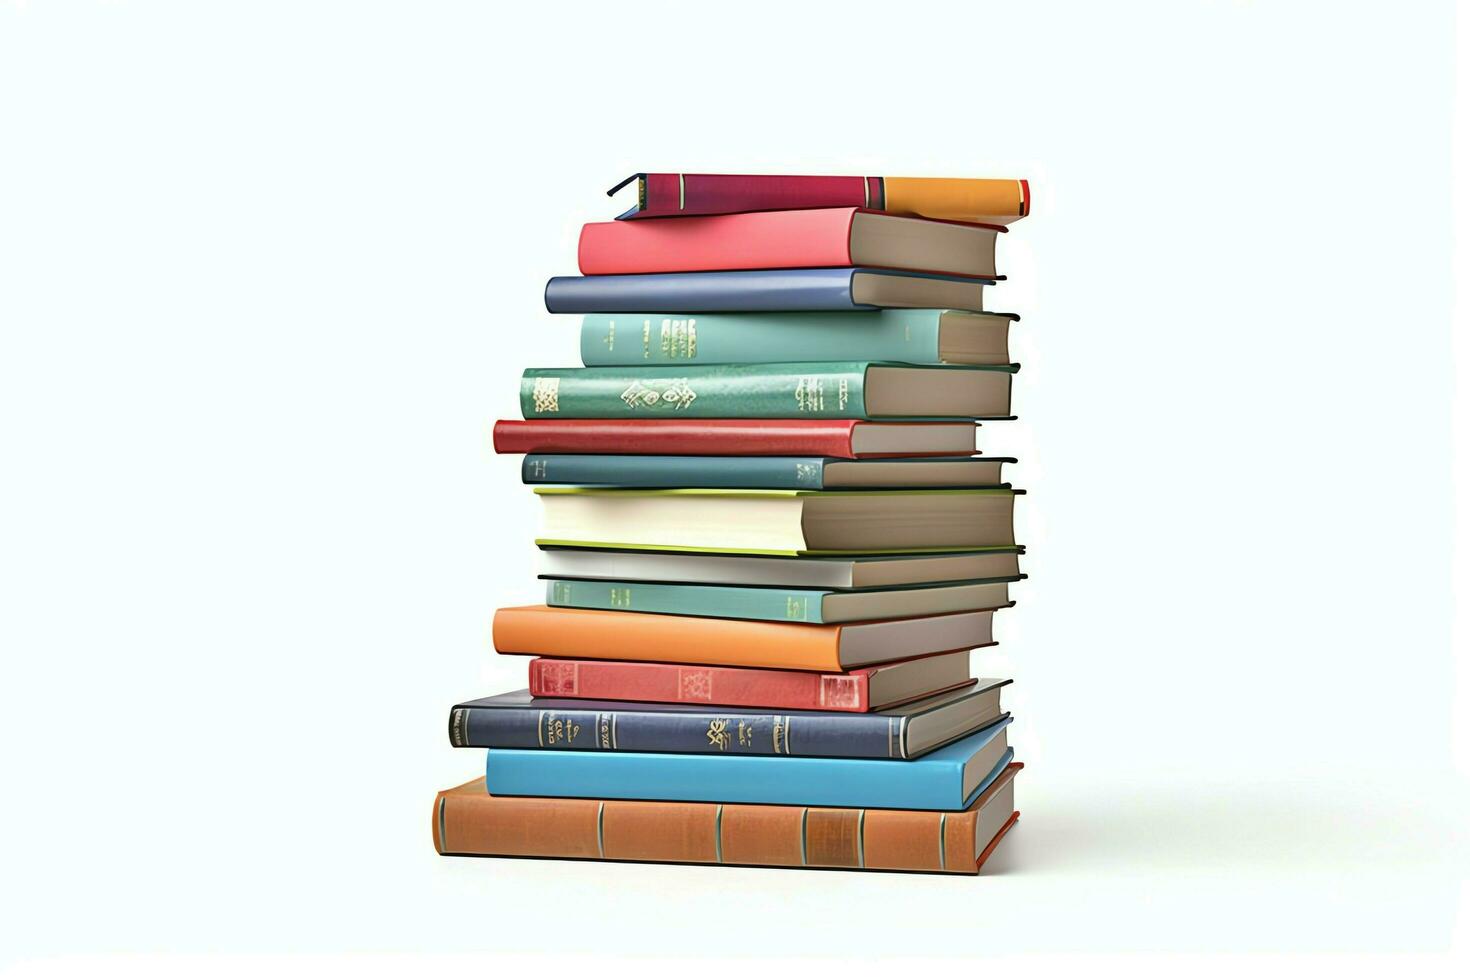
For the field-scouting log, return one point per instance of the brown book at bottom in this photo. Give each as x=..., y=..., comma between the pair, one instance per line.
x=469, y=821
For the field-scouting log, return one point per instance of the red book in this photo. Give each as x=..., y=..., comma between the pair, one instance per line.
x=865, y=689
x=842, y=438
x=822, y=237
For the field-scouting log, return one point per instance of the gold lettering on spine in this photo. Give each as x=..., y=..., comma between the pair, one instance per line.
x=659, y=393
x=645, y=340
x=842, y=394
x=612, y=327
x=796, y=607
x=544, y=395
x=809, y=393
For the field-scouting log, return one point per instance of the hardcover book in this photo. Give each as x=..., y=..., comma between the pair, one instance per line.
x=987, y=200
x=905, y=336
x=594, y=634
x=827, y=389
x=776, y=604
x=820, y=238
x=949, y=778
x=777, y=522
x=860, y=572
x=843, y=438
x=467, y=820
x=519, y=721
x=764, y=290
x=758, y=472
x=864, y=689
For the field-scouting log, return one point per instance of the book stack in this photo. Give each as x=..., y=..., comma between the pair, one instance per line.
x=768, y=542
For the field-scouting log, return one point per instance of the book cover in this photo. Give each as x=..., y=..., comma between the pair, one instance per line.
x=760, y=290
x=756, y=472
x=740, y=687
x=936, y=781
x=519, y=721
x=990, y=200
x=467, y=820
x=697, y=437
x=596, y=634
x=828, y=389
x=906, y=336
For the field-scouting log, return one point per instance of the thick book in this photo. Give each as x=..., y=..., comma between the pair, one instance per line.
x=860, y=572
x=757, y=472
x=519, y=721
x=950, y=778
x=990, y=200
x=776, y=604
x=777, y=522
x=823, y=390
x=818, y=238
x=841, y=438
x=864, y=689
x=597, y=634
x=764, y=290
x=469, y=821
x=905, y=336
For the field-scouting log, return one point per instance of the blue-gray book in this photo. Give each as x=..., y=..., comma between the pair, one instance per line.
x=764, y=290
x=519, y=721
x=763, y=472
x=950, y=778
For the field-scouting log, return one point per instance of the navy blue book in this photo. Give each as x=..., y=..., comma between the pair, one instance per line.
x=519, y=721
x=950, y=778
x=763, y=472
x=764, y=290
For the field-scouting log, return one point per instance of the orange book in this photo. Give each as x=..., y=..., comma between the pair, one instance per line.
x=598, y=634
x=469, y=821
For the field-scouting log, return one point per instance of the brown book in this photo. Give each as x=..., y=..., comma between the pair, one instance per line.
x=469, y=821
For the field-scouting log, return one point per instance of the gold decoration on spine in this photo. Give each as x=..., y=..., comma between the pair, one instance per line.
x=544, y=395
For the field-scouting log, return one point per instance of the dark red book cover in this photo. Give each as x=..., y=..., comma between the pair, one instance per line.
x=680, y=437
x=671, y=194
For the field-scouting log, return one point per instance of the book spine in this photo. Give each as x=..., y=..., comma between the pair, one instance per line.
x=778, y=605
x=469, y=821
x=695, y=437
x=708, y=391
x=700, y=292
x=721, y=472
x=956, y=198
x=794, y=690
x=597, y=635
x=705, y=732
x=915, y=784
x=715, y=243
x=907, y=336
x=674, y=194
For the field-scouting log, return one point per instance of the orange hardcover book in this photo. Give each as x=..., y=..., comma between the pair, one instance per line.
x=469, y=821
x=599, y=634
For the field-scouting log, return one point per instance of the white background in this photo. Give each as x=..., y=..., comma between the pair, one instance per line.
x=269, y=271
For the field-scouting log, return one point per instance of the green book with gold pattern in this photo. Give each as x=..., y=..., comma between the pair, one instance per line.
x=816, y=390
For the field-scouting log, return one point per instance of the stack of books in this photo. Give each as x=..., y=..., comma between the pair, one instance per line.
x=768, y=543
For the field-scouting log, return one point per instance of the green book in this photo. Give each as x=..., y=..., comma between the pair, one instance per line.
x=777, y=604
x=906, y=336
x=817, y=390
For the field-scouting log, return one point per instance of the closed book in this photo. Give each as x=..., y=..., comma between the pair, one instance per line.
x=595, y=634
x=827, y=389
x=989, y=200
x=777, y=522
x=776, y=604
x=949, y=778
x=756, y=472
x=817, y=238
x=857, y=572
x=844, y=438
x=469, y=821
x=906, y=336
x=863, y=689
x=519, y=721
x=765, y=290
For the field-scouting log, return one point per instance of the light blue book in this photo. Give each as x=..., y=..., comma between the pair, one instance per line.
x=946, y=779
x=905, y=336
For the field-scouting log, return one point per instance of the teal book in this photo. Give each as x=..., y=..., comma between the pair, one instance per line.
x=787, y=390
x=763, y=472
x=906, y=336
x=777, y=604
